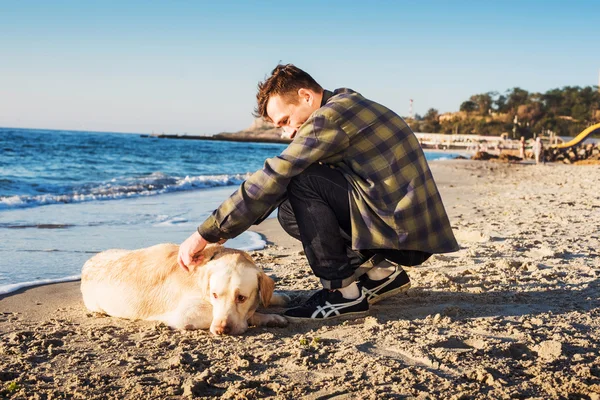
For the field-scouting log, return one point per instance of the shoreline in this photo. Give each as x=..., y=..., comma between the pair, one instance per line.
x=67, y=291
x=522, y=294
x=266, y=233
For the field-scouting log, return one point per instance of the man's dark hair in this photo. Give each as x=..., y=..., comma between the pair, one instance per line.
x=285, y=81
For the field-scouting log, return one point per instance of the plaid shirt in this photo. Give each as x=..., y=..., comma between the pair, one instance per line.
x=394, y=201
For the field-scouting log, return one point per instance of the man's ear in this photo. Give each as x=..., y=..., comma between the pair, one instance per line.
x=266, y=286
x=305, y=95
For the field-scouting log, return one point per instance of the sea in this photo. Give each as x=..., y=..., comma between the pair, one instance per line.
x=66, y=195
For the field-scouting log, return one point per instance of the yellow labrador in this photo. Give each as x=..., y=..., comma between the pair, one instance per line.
x=221, y=293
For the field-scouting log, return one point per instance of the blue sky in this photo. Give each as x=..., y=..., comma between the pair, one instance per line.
x=193, y=66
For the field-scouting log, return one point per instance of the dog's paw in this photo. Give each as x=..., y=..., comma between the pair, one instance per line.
x=276, y=321
x=279, y=300
x=270, y=320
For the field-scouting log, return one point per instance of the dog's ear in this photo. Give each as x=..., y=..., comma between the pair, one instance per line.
x=205, y=285
x=266, y=286
x=206, y=255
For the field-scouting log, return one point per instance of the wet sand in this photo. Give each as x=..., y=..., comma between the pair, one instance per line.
x=513, y=314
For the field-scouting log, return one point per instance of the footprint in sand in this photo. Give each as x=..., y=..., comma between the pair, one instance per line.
x=463, y=235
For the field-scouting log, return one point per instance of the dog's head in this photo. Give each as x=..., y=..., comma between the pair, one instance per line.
x=234, y=285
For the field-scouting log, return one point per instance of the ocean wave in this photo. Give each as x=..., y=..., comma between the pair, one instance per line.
x=172, y=221
x=5, y=289
x=36, y=226
x=443, y=159
x=254, y=241
x=445, y=156
x=125, y=187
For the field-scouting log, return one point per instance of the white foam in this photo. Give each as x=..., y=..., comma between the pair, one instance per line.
x=172, y=221
x=256, y=242
x=153, y=184
x=248, y=242
x=17, y=286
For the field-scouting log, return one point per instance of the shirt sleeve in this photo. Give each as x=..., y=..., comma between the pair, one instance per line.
x=317, y=140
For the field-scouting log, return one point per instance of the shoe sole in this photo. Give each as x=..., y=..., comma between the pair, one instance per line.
x=350, y=315
x=390, y=293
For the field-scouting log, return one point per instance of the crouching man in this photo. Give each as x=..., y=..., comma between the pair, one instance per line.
x=353, y=186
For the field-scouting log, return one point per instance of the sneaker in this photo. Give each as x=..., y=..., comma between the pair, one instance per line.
x=375, y=291
x=328, y=304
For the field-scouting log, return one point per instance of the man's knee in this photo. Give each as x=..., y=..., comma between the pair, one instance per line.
x=306, y=179
x=301, y=179
x=286, y=217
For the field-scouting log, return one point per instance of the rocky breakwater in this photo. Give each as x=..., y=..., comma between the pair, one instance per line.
x=586, y=153
x=504, y=157
x=259, y=131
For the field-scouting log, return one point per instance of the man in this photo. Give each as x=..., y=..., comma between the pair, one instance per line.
x=353, y=186
x=522, y=148
x=538, y=150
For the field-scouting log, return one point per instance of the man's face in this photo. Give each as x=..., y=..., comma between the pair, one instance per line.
x=290, y=113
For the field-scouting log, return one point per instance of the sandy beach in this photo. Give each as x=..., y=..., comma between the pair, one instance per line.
x=513, y=314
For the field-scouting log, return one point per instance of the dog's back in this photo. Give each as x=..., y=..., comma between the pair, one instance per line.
x=128, y=284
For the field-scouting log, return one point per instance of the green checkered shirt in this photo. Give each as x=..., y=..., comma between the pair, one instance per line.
x=394, y=201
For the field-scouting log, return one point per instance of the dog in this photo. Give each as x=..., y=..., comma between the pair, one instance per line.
x=221, y=293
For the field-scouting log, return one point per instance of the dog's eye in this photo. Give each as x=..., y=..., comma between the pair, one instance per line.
x=215, y=295
x=240, y=298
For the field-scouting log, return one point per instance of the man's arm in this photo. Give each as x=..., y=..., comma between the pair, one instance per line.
x=318, y=139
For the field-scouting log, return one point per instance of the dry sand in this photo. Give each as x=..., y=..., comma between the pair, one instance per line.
x=513, y=314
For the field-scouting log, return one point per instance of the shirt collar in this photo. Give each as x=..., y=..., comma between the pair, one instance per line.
x=327, y=94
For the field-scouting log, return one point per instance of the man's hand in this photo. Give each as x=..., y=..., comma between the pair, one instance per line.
x=189, y=251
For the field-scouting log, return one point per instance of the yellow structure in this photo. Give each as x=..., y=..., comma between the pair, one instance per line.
x=579, y=138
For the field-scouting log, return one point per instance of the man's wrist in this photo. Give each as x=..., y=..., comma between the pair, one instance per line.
x=206, y=236
x=201, y=240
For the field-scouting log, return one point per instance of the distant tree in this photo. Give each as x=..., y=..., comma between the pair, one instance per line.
x=431, y=121
x=515, y=98
x=552, y=100
x=595, y=107
x=500, y=104
x=580, y=112
x=432, y=115
x=570, y=97
x=531, y=112
x=484, y=102
x=468, y=106
x=536, y=112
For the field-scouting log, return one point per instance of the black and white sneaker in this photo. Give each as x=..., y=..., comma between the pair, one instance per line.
x=328, y=304
x=375, y=291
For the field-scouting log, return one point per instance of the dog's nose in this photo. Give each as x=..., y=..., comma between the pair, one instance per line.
x=223, y=330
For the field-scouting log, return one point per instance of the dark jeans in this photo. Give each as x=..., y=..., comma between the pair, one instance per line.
x=317, y=212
